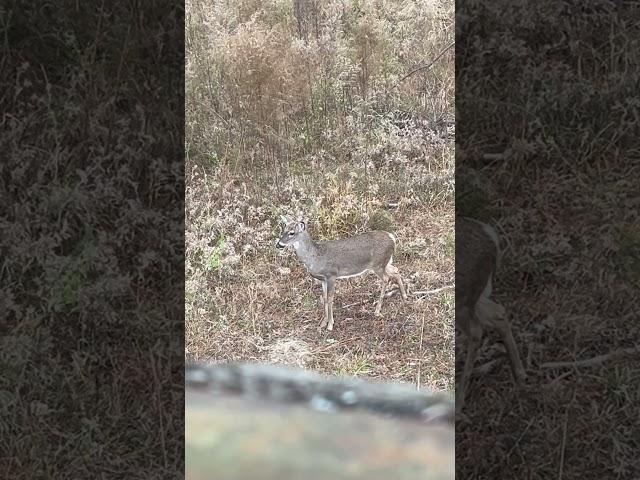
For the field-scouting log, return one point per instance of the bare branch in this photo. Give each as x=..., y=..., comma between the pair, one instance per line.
x=435, y=290
x=424, y=67
x=589, y=362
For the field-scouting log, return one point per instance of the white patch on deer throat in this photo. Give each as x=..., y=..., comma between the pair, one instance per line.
x=392, y=237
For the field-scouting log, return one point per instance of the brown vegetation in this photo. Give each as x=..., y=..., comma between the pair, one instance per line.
x=300, y=107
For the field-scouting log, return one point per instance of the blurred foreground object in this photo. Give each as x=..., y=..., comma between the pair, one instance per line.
x=264, y=422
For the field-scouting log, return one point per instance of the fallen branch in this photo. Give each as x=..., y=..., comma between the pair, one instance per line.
x=589, y=362
x=435, y=290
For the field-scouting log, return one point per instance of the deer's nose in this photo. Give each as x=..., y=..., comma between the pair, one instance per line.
x=279, y=244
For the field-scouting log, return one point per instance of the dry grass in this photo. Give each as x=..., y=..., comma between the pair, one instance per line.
x=564, y=308
x=91, y=241
x=265, y=298
x=565, y=199
x=355, y=155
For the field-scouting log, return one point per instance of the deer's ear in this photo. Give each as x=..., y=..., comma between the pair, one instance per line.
x=301, y=225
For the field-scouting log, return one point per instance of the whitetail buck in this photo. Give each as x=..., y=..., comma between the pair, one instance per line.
x=477, y=259
x=330, y=260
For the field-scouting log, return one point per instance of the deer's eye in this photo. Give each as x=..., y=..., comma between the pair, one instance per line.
x=291, y=234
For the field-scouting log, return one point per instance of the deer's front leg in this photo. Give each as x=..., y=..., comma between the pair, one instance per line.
x=331, y=288
x=325, y=320
x=316, y=281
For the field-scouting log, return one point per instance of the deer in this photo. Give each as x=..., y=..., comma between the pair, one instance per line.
x=328, y=261
x=477, y=260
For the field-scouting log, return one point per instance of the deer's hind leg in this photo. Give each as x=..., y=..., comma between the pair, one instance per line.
x=384, y=278
x=393, y=272
x=383, y=289
x=493, y=314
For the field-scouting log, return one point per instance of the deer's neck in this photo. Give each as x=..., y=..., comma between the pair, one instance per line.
x=307, y=250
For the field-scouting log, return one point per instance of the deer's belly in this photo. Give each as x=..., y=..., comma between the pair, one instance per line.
x=353, y=274
x=344, y=274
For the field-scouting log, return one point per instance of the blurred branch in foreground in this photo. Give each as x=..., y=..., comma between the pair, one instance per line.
x=247, y=421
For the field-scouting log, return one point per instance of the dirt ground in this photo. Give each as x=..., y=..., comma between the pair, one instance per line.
x=269, y=310
x=569, y=282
